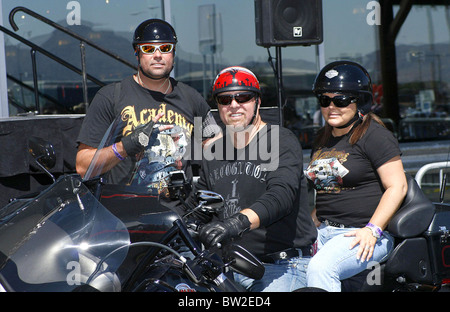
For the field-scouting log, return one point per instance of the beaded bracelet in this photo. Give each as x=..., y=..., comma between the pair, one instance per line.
x=114, y=148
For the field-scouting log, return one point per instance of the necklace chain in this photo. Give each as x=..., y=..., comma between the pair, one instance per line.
x=159, y=89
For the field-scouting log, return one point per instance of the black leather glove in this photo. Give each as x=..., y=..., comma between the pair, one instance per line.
x=137, y=140
x=218, y=231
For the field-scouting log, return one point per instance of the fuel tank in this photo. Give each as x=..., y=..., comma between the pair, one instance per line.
x=146, y=216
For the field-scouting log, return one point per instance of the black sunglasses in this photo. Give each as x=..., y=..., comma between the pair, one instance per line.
x=338, y=100
x=226, y=99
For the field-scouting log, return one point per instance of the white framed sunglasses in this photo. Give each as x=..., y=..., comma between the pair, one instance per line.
x=148, y=48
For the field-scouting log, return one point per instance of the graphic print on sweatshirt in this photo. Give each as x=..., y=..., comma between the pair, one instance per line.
x=232, y=179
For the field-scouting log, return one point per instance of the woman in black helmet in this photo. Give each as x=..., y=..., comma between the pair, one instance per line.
x=358, y=176
x=148, y=96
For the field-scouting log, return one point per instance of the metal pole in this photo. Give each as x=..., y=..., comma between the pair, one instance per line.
x=4, y=105
x=35, y=82
x=205, y=91
x=280, y=84
x=83, y=73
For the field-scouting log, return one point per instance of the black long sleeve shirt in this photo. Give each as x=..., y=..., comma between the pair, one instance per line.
x=267, y=177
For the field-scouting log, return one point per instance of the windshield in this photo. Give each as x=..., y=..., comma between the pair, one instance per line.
x=60, y=240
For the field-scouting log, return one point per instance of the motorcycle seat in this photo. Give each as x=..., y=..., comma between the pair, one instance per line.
x=415, y=213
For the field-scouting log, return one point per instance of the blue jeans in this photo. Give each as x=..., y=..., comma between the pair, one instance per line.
x=335, y=261
x=281, y=276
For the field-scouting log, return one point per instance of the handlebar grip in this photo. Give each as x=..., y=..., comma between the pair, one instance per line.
x=226, y=284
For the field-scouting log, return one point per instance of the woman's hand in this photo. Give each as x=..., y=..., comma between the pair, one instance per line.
x=366, y=241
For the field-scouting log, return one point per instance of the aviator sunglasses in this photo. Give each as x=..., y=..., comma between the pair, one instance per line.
x=338, y=101
x=151, y=48
x=226, y=99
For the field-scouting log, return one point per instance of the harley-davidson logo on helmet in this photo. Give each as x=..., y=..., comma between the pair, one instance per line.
x=331, y=73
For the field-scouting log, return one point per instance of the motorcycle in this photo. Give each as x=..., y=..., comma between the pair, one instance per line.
x=420, y=260
x=91, y=235
x=85, y=234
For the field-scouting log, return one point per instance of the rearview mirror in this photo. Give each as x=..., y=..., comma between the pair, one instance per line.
x=43, y=154
x=211, y=201
x=243, y=262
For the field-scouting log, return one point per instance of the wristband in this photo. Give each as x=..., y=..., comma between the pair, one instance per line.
x=376, y=230
x=114, y=148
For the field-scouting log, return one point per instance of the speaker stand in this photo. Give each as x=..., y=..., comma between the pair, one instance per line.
x=280, y=92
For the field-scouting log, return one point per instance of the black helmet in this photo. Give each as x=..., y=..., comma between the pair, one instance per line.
x=154, y=30
x=346, y=77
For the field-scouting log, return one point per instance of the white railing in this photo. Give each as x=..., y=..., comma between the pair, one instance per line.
x=442, y=165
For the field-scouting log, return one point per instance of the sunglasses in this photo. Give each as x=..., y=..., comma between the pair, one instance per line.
x=226, y=99
x=338, y=101
x=151, y=48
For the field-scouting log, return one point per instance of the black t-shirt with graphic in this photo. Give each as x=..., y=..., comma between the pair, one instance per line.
x=345, y=178
x=137, y=105
x=267, y=177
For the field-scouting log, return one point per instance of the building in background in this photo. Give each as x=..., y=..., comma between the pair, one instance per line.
x=214, y=34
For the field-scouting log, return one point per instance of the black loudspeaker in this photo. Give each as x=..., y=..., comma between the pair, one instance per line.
x=288, y=22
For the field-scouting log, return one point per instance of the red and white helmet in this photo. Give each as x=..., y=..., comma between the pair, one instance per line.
x=235, y=78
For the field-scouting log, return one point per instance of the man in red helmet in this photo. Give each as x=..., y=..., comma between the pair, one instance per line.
x=266, y=206
x=142, y=99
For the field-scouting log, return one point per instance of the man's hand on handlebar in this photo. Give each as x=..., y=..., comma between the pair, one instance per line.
x=218, y=231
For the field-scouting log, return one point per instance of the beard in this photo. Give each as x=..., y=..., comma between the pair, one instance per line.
x=155, y=76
